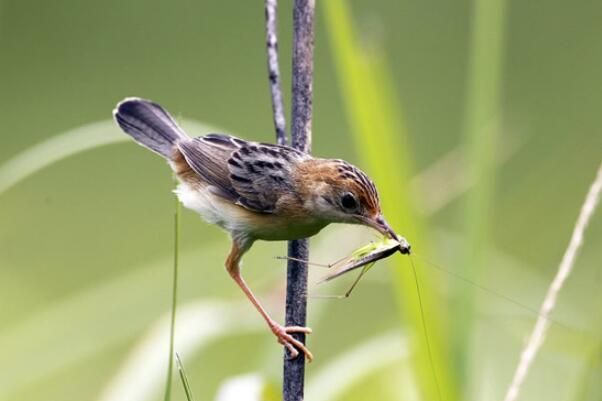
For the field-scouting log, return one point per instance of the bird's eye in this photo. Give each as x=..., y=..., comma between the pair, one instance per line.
x=349, y=202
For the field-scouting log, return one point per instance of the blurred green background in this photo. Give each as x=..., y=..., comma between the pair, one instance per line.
x=86, y=242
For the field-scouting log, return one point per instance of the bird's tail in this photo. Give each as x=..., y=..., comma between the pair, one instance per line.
x=149, y=124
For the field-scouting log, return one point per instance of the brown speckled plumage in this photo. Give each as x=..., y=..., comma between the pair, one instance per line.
x=255, y=190
x=345, y=177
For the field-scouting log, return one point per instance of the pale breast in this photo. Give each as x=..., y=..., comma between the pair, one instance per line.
x=237, y=219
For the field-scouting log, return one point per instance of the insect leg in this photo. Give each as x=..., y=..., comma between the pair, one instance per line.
x=348, y=292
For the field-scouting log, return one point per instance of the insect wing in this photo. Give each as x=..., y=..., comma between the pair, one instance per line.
x=379, y=251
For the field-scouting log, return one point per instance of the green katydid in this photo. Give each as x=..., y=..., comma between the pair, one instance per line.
x=365, y=257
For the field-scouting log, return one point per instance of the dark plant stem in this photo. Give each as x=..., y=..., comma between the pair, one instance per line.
x=296, y=289
x=184, y=379
x=174, y=300
x=298, y=251
x=303, y=67
x=271, y=37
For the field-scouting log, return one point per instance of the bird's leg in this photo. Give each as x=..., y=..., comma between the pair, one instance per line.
x=282, y=333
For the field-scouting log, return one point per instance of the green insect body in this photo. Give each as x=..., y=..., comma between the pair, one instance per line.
x=365, y=257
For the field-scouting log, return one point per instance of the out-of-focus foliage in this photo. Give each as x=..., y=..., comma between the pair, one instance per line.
x=374, y=114
x=86, y=242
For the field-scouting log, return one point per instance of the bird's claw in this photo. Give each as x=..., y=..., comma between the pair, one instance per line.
x=293, y=345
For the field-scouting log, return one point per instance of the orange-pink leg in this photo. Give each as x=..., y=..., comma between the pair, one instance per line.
x=282, y=333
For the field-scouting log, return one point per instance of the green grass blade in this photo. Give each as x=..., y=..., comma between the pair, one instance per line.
x=481, y=124
x=184, y=379
x=69, y=143
x=174, y=300
x=142, y=371
x=42, y=345
x=378, y=132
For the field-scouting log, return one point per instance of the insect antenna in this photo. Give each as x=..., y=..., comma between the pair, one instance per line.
x=489, y=290
x=426, y=336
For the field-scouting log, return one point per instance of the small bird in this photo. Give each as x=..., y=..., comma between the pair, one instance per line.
x=256, y=191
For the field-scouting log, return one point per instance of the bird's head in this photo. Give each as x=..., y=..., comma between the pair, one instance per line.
x=342, y=193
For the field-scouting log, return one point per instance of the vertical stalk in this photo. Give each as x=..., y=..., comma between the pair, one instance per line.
x=271, y=37
x=480, y=131
x=298, y=251
x=301, y=116
x=564, y=270
x=375, y=116
x=174, y=299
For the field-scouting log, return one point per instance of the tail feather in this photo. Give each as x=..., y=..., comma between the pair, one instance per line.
x=149, y=124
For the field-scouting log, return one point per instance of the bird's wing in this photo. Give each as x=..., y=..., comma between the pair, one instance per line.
x=207, y=156
x=262, y=173
x=253, y=175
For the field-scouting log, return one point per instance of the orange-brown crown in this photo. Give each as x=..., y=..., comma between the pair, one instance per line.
x=340, y=177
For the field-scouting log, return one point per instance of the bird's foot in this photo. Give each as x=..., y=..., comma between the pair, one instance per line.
x=294, y=346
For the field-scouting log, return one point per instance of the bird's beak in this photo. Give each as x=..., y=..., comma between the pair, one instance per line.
x=381, y=225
